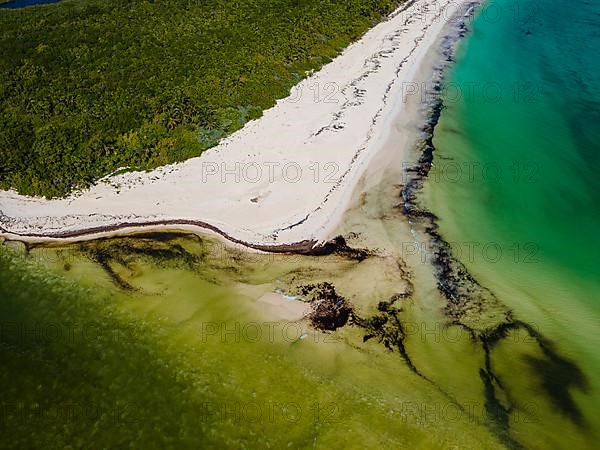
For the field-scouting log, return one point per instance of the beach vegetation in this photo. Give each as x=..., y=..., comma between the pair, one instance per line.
x=91, y=86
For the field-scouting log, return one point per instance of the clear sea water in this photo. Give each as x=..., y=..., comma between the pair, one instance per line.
x=516, y=178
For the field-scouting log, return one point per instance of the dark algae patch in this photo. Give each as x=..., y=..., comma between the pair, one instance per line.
x=125, y=252
x=476, y=308
x=339, y=246
x=388, y=329
x=188, y=252
x=158, y=249
x=329, y=310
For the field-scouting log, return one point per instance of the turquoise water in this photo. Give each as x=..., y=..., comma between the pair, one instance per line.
x=515, y=176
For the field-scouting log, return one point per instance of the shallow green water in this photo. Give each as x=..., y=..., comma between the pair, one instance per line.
x=166, y=344
x=167, y=341
x=515, y=179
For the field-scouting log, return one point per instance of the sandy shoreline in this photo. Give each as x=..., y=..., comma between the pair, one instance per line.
x=283, y=182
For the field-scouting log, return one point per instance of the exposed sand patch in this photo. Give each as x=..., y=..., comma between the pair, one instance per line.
x=276, y=305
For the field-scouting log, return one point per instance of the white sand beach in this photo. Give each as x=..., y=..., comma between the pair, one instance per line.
x=285, y=178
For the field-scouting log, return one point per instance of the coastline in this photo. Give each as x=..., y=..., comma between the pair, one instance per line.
x=327, y=135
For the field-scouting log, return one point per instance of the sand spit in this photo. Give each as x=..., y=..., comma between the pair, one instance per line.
x=284, y=179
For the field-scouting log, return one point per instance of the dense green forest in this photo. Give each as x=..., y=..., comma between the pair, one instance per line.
x=90, y=86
